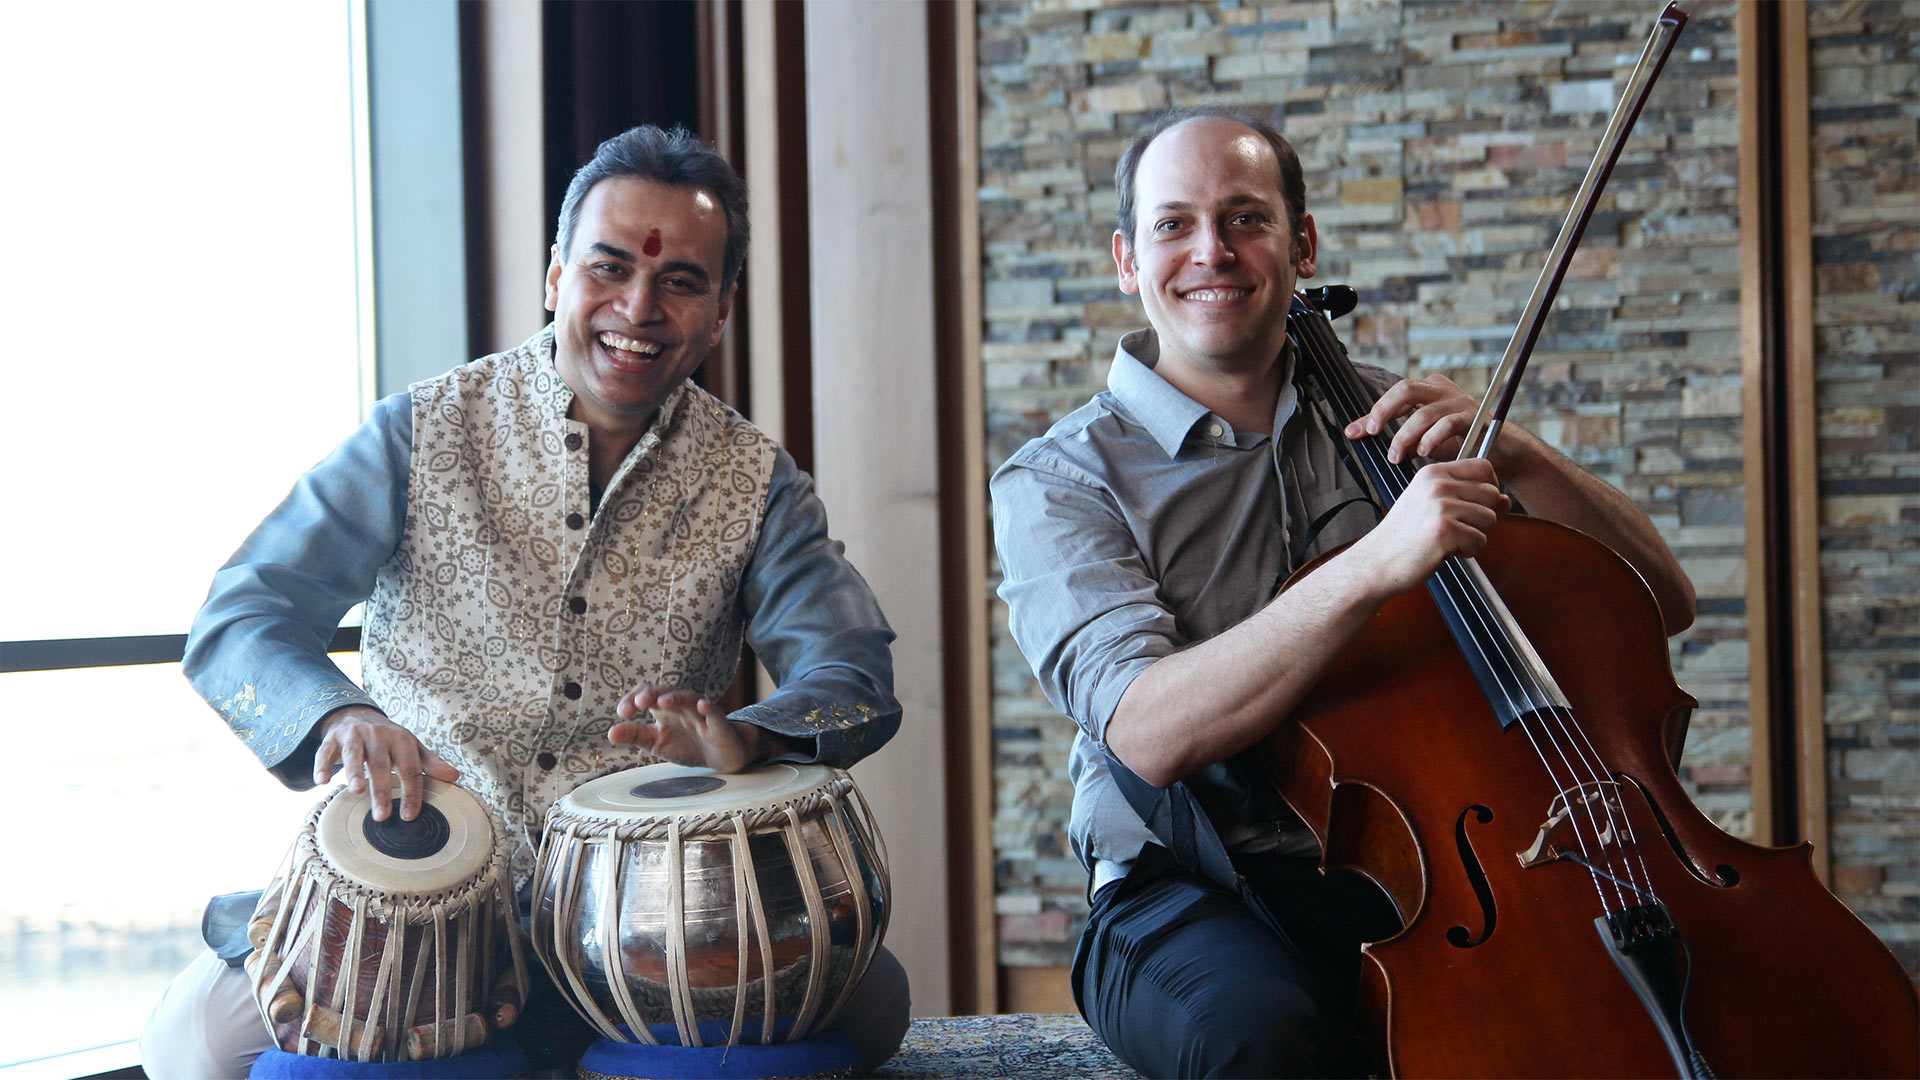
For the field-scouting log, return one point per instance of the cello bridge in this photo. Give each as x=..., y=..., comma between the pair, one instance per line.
x=1592, y=810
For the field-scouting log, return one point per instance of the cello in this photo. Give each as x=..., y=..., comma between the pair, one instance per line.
x=1567, y=910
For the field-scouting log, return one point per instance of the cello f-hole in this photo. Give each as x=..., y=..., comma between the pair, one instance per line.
x=1459, y=936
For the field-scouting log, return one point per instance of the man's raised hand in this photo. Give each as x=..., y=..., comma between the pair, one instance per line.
x=1436, y=416
x=685, y=728
x=371, y=748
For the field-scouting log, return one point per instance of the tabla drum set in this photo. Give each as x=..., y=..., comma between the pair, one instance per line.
x=672, y=906
x=680, y=906
x=390, y=940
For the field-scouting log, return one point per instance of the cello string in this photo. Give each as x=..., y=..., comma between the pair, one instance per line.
x=1457, y=586
x=1527, y=727
x=1631, y=851
x=1605, y=785
x=1482, y=638
x=1629, y=837
x=1457, y=583
x=1391, y=480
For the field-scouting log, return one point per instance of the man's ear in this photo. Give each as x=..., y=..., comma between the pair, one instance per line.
x=554, y=266
x=1123, y=262
x=1306, y=247
x=720, y=319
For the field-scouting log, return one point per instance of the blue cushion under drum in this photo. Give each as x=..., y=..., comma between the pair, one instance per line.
x=830, y=1053
x=500, y=1058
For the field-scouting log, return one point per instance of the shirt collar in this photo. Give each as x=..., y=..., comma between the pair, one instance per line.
x=1166, y=413
x=555, y=397
x=551, y=393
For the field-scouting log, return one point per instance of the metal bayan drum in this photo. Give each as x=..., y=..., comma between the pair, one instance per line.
x=705, y=883
x=390, y=940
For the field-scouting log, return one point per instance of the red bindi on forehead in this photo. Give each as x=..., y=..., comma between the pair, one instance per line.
x=652, y=246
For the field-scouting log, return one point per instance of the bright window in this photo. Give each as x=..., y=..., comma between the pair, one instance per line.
x=178, y=296
x=127, y=805
x=179, y=307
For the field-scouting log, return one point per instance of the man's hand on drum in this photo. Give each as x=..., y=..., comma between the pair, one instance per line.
x=687, y=729
x=372, y=748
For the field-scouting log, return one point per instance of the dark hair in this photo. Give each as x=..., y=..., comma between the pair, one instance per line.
x=676, y=158
x=1293, y=182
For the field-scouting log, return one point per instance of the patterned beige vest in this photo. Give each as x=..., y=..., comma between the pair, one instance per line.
x=512, y=619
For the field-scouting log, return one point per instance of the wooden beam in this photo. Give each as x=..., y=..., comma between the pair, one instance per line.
x=953, y=70
x=1803, y=432
x=1785, y=646
x=876, y=422
x=776, y=293
x=508, y=229
x=1757, y=270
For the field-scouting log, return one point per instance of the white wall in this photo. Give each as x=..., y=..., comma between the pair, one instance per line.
x=874, y=424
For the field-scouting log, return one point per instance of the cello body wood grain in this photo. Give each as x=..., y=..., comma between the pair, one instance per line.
x=1501, y=969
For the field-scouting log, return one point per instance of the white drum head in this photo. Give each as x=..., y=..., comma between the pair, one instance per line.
x=666, y=790
x=448, y=845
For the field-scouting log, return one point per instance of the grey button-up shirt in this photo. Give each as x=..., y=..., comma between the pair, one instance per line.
x=1142, y=523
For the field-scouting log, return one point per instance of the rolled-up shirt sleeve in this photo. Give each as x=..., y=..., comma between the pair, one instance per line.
x=814, y=623
x=258, y=648
x=1082, y=604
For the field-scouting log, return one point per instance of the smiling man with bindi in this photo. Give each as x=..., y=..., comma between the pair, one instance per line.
x=561, y=548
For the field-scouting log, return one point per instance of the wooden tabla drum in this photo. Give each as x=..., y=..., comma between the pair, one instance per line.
x=679, y=906
x=390, y=940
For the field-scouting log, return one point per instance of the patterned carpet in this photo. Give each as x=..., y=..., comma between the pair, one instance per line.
x=1020, y=1044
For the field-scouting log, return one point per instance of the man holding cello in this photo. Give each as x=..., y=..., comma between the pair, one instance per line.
x=1142, y=541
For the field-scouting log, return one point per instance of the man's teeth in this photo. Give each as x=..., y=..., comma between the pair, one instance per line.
x=1216, y=294
x=625, y=344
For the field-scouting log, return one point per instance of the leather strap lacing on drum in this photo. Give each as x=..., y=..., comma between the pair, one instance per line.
x=759, y=819
x=582, y=842
x=453, y=934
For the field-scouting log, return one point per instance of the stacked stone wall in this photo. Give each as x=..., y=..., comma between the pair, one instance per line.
x=1442, y=143
x=1866, y=228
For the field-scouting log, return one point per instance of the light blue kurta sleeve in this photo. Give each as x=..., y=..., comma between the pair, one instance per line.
x=815, y=624
x=258, y=648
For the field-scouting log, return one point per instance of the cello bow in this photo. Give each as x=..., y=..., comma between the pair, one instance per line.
x=1506, y=376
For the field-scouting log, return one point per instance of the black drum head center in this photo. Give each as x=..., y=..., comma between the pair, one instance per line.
x=416, y=839
x=676, y=787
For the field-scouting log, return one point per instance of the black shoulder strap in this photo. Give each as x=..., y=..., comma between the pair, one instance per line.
x=1181, y=825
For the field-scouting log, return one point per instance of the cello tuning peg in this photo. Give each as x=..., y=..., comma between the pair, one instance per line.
x=1333, y=300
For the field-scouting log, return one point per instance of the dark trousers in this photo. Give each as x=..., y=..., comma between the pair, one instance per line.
x=1182, y=978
